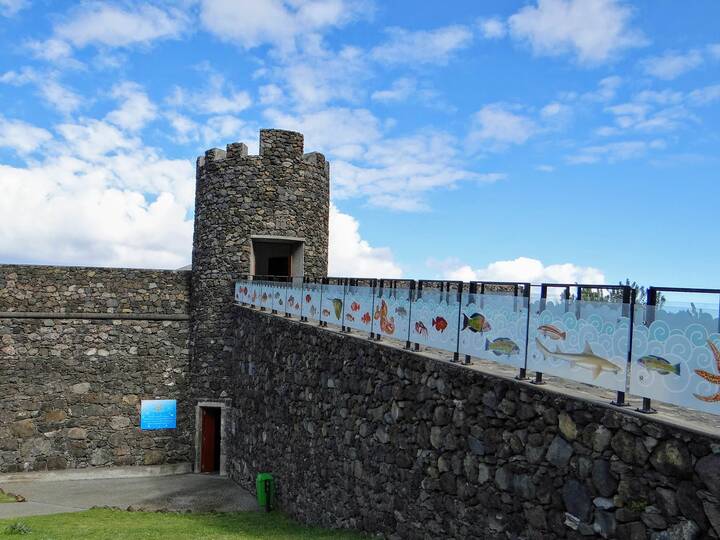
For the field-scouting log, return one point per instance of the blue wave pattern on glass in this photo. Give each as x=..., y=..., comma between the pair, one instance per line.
x=584, y=341
x=435, y=319
x=358, y=307
x=293, y=300
x=501, y=334
x=391, y=312
x=311, y=301
x=676, y=355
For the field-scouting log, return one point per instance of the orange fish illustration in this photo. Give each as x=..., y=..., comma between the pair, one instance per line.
x=355, y=306
x=366, y=318
x=440, y=324
x=711, y=377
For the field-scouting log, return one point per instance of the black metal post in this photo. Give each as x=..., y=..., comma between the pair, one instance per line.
x=646, y=407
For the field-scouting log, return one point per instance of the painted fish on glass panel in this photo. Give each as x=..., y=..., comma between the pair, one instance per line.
x=476, y=323
x=401, y=311
x=325, y=312
x=502, y=346
x=337, y=306
x=552, y=332
x=440, y=324
x=313, y=311
x=659, y=364
x=350, y=318
x=586, y=359
x=366, y=318
x=354, y=306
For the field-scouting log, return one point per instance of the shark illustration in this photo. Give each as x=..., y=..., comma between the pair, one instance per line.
x=586, y=359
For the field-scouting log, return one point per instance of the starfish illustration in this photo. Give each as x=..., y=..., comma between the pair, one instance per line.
x=711, y=377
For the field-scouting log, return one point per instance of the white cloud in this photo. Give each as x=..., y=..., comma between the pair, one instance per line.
x=55, y=94
x=250, y=23
x=129, y=206
x=394, y=173
x=672, y=64
x=54, y=50
x=216, y=131
x=523, y=269
x=616, y=151
x=714, y=50
x=99, y=23
x=350, y=255
x=496, y=126
x=218, y=97
x=400, y=90
x=21, y=136
x=8, y=8
x=705, y=95
x=545, y=168
x=492, y=28
x=270, y=94
x=136, y=109
x=422, y=46
x=592, y=30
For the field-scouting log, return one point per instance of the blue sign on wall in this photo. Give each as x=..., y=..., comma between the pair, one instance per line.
x=158, y=414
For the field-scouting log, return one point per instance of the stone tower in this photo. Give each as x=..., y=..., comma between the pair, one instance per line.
x=264, y=214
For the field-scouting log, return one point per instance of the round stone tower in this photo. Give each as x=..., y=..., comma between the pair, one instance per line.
x=264, y=214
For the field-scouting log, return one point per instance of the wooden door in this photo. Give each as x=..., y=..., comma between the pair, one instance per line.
x=210, y=448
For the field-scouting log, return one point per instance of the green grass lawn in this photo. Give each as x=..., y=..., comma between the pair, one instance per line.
x=118, y=524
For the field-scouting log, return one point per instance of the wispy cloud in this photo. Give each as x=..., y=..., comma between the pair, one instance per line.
x=422, y=46
x=594, y=31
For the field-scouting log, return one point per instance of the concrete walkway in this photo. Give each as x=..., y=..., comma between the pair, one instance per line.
x=179, y=493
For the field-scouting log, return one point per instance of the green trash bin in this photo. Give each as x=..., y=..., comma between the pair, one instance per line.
x=265, y=489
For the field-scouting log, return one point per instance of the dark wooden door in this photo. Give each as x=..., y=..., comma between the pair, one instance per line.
x=210, y=448
x=279, y=266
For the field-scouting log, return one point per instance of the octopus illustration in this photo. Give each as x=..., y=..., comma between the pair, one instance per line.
x=711, y=377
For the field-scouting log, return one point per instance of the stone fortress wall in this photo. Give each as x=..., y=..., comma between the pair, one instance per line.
x=365, y=435
x=79, y=349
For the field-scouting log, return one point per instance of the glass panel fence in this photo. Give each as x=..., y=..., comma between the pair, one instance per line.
x=676, y=355
x=391, y=312
x=333, y=298
x=310, y=302
x=358, y=307
x=584, y=341
x=264, y=294
x=494, y=327
x=278, y=291
x=293, y=303
x=435, y=316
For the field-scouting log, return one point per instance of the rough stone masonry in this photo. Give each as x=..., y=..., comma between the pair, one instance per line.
x=79, y=349
x=370, y=436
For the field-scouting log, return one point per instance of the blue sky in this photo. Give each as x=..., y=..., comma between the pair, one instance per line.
x=543, y=140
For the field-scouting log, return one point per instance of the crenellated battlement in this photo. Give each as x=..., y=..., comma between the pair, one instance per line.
x=275, y=145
